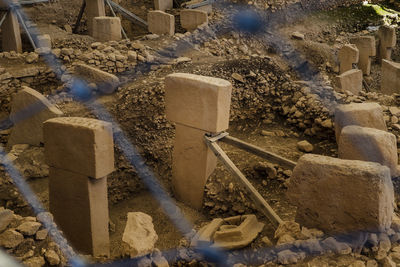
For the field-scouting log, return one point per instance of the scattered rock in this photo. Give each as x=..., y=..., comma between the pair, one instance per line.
x=28, y=228
x=305, y=146
x=10, y=239
x=52, y=257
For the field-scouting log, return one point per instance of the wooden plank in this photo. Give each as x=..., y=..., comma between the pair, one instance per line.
x=260, y=202
x=286, y=163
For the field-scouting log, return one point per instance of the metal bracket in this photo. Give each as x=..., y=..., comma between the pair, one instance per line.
x=196, y=5
x=216, y=137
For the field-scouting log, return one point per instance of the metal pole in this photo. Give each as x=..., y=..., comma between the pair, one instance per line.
x=113, y=13
x=265, y=208
x=3, y=18
x=78, y=20
x=22, y=22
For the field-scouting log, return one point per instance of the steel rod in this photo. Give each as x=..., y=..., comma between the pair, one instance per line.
x=127, y=14
x=22, y=22
x=113, y=13
x=78, y=20
x=3, y=18
x=259, y=152
x=265, y=208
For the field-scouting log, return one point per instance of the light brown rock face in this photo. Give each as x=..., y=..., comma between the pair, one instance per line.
x=390, y=81
x=107, y=83
x=161, y=22
x=350, y=80
x=348, y=55
x=80, y=145
x=361, y=114
x=367, y=49
x=368, y=144
x=139, y=235
x=339, y=196
x=28, y=112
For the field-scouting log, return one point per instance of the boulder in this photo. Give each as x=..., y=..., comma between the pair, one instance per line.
x=106, y=83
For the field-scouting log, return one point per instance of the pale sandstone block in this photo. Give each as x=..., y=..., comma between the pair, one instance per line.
x=350, y=80
x=29, y=109
x=390, y=80
x=387, y=41
x=368, y=144
x=348, y=55
x=360, y=114
x=163, y=5
x=106, y=83
x=44, y=41
x=94, y=8
x=107, y=29
x=79, y=145
x=161, y=23
x=341, y=196
x=367, y=49
x=198, y=101
x=80, y=208
x=11, y=34
x=193, y=163
x=191, y=19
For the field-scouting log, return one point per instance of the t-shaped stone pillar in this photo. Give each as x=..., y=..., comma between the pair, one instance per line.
x=348, y=55
x=80, y=153
x=11, y=34
x=94, y=8
x=387, y=41
x=198, y=105
x=367, y=49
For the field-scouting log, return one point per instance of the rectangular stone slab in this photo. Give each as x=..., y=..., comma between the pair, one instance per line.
x=161, y=23
x=341, y=196
x=79, y=145
x=350, y=80
x=191, y=19
x=80, y=208
x=163, y=4
x=107, y=29
x=198, y=101
x=390, y=80
x=368, y=144
x=94, y=8
x=193, y=163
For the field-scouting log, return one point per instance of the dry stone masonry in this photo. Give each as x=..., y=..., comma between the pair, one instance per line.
x=198, y=105
x=80, y=153
x=341, y=196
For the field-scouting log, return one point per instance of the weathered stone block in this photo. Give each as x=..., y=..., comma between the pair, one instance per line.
x=367, y=49
x=106, y=83
x=161, y=22
x=348, y=55
x=198, y=101
x=79, y=145
x=390, y=80
x=11, y=34
x=44, y=41
x=361, y=114
x=29, y=109
x=94, y=8
x=387, y=41
x=191, y=19
x=139, y=235
x=368, y=144
x=80, y=208
x=163, y=4
x=341, y=196
x=193, y=163
x=107, y=29
x=350, y=80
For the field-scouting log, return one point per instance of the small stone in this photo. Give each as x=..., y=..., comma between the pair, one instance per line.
x=31, y=58
x=52, y=257
x=267, y=241
x=41, y=234
x=34, y=262
x=297, y=36
x=387, y=262
x=337, y=247
x=11, y=239
x=290, y=257
x=6, y=217
x=372, y=263
x=238, y=77
x=305, y=146
x=29, y=228
x=285, y=239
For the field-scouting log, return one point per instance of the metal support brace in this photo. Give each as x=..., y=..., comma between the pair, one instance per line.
x=113, y=13
x=3, y=18
x=78, y=20
x=255, y=196
x=196, y=5
x=127, y=14
x=22, y=22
